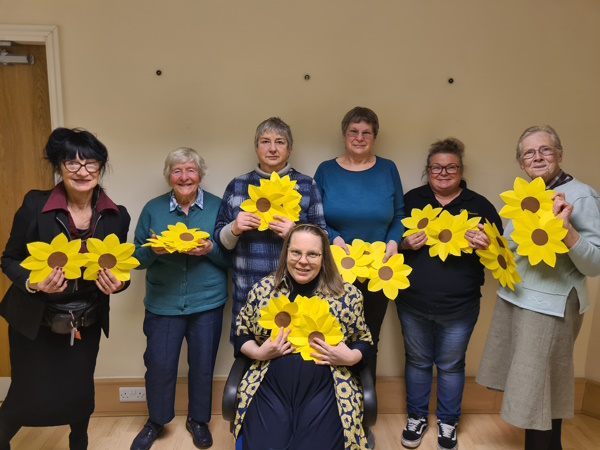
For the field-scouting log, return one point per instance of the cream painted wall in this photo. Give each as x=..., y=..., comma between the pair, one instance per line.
x=227, y=65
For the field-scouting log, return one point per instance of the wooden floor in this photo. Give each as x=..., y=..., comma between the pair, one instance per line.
x=476, y=431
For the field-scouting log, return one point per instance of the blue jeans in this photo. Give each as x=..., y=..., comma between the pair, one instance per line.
x=441, y=340
x=165, y=334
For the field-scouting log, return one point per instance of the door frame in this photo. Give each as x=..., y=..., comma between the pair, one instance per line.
x=47, y=35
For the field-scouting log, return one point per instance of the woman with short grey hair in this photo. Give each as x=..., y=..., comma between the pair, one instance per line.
x=185, y=294
x=529, y=349
x=256, y=253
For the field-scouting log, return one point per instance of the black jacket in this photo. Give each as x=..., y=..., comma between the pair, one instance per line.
x=24, y=311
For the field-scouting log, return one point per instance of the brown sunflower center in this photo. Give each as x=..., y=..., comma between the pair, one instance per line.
x=530, y=204
x=502, y=262
x=107, y=261
x=263, y=205
x=500, y=243
x=422, y=223
x=283, y=319
x=57, y=259
x=347, y=263
x=539, y=237
x=385, y=273
x=313, y=335
x=445, y=236
x=186, y=236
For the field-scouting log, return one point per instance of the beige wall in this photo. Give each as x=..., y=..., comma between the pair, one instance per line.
x=227, y=65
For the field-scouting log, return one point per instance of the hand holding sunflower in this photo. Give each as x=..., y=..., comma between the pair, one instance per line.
x=274, y=197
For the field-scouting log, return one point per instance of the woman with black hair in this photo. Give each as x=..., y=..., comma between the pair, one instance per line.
x=52, y=380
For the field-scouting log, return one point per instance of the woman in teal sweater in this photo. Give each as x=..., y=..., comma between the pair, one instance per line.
x=362, y=198
x=185, y=294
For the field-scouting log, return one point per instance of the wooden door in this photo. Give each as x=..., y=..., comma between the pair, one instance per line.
x=24, y=130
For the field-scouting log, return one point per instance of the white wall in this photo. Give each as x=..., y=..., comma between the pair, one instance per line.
x=227, y=65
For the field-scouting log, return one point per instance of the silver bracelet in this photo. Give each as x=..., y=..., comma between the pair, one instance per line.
x=28, y=289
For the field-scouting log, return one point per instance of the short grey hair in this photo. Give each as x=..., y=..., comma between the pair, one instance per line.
x=537, y=129
x=274, y=125
x=184, y=155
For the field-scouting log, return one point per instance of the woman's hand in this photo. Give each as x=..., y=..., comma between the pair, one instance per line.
x=334, y=355
x=245, y=221
x=53, y=283
x=281, y=226
x=158, y=250
x=202, y=250
x=339, y=241
x=107, y=282
x=273, y=349
x=563, y=210
x=391, y=248
x=478, y=240
x=414, y=241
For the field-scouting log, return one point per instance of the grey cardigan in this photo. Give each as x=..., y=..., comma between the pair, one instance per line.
x=544, y=289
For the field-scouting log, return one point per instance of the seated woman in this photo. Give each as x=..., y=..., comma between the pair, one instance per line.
x=286, y=402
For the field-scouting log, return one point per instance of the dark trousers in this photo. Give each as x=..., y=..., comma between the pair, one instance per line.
x=375, y=307
x=546, y=439
x=202, y=332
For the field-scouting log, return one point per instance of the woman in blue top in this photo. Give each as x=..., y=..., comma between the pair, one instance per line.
x=185, y=294
x=363, y=199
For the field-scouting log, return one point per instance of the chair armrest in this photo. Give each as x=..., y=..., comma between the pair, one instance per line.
x=369, y=398
x=238, y=369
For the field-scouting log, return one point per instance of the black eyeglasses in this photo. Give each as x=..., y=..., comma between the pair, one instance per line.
x=74, y=166
x=451, y=169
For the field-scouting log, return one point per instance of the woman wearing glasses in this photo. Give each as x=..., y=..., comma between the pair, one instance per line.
x=440, y=308
x=53, y=374
x=284, y=400
x=529, y=349
x=363, y=198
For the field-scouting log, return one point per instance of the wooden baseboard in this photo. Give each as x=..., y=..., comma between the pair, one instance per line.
x=591, y=399
x=391, y=397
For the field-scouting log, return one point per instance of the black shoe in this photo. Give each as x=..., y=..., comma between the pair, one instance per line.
x=447, y=435
x=414, y=430
x=200, y=433
x=146, y=437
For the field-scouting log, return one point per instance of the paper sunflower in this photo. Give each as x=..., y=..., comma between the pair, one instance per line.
x=498, y=258
x=274, y=197
x=112, y=255
x=59, y=253
x=389, y=276
x=325, y=327
x=420, y=220
x=526, y=196
x=539, y=237
x=313, y=307
x=178, y=238
x=448, y=234
x=356, y=264
x=279, y=312
x=376, y=250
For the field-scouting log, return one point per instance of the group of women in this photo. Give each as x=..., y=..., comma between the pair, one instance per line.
x=285, y=401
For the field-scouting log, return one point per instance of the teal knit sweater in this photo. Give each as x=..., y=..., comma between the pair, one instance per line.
x=179, y=284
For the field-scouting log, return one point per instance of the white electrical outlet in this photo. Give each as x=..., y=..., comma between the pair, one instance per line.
x=132, y=394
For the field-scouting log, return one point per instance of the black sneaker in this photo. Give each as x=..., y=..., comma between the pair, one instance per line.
x=447, y=435
x=200, y=433
x=414, y=430
x=146, y=437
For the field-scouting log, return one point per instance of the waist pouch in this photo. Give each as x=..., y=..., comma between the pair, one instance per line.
x=63, y=317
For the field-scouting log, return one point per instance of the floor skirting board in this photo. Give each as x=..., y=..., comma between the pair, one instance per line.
x=390, y=397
